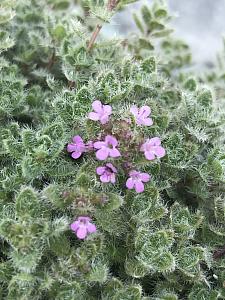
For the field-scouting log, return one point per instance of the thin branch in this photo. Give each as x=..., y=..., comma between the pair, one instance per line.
x=110, y=6
x=93, y=37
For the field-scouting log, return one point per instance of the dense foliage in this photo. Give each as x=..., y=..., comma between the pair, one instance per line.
x=166, y=242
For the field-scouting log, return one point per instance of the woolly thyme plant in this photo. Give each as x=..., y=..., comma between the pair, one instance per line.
x=112, y=159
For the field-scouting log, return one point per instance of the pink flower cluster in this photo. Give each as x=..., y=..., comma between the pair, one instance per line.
x=111, y=148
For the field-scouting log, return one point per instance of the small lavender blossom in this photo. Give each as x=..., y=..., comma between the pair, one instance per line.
x=142, y=115
x=77, y=147
x=107, y=173
x=83, y=227
x=107, y=148
x=101, y=112
x=136, y=180
x=152, y=148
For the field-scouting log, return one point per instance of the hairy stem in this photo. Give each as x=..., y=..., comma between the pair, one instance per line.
x=110, y=6
x=94, y=36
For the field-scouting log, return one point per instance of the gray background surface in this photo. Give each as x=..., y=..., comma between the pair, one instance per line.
x=201, y=23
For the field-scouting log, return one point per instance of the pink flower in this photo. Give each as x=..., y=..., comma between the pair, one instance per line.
x=107, y=148
x=141, y=115
x=107, y=173
x=152, y=148
x=77, y=147
x=82, y=227
x=101, y=112
x=136, y=181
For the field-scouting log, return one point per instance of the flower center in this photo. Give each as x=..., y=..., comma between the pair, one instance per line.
x=108, y=171
x=136, y=177
x=83, y=222
x=110, y=146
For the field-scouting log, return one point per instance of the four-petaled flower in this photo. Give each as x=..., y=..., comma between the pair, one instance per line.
x=136, y=180
x=77, y=147
x=82, y=227
x=101, y=112
x=107, y=148
x=142, y=115
x=107, y=173
x=152, y=148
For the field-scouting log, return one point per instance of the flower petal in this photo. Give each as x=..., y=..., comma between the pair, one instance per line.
x=112, y=178
x=100, y=170
x=102, y=153
x=97, y=106
x=139, y=186
x=93, y=116
x=154, y=141
x=149, y=155
x=107, y=109
x=77, y=139
x=105, y=178
x=130, y=183
x=109, y=139
x=160, y=151
x=81, y=232
x=134, y=110
x=76, y=155
x=111, y=166
x=84, y=219
x=134, y=173
x=91, y=228
x=99, y=145
x=148, y=122
x=104, y=119
x=71, y=147
x=145, y=177
x=74, y=226
x=114, y=152
x=145, y=111
x=139, y=121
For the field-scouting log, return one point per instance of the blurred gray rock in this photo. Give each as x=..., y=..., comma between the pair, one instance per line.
x=201, y=23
